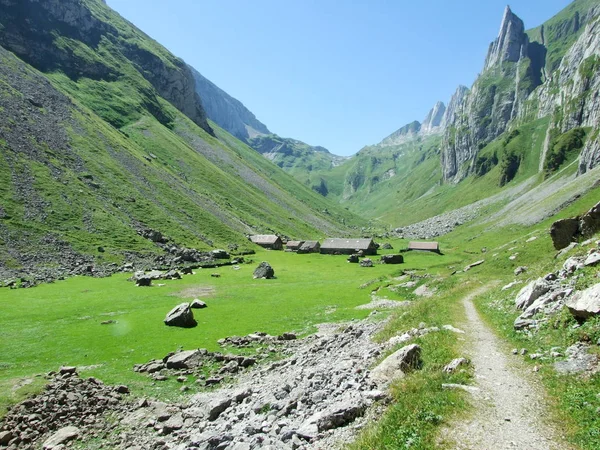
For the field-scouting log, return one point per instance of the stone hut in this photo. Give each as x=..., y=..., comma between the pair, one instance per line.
x=269, y=241
x=310, y=247
x=293, y=246
x=348, y=246
x=424, y=246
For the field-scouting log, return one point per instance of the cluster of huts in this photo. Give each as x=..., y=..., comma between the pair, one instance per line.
x=334, y=246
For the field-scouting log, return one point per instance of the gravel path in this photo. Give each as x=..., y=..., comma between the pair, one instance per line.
x=508, y=406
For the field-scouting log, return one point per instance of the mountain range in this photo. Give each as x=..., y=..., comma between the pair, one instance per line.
x=107, y=138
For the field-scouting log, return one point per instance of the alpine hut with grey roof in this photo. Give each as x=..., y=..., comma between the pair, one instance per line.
x=293, y=246
x=348, y=246
x=310, y=247
x=424, y=246
x=269, y=241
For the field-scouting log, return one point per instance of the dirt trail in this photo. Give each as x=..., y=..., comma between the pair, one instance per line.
x=509, y=408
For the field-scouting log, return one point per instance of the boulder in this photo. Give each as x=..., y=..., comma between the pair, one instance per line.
x=5, y=437
x=563, y=232
x=392, y=259
x=264, y=270
x=584, y=304
x=367, y=262
x=398, y=363
x=172, y=275
x=579, y=359
x=590, y=221
x=185, y=360
x=60, y=437
x=197, y=304
x=387, y=246
x=455, y=364
x=531, y=293
x=181, y=316
x=592, y=259
x=353, y=258
x=219, y=254
x=519, y=270
x=143, y=280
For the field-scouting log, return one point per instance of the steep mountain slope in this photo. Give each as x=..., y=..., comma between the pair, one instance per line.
x=228, y=112
x=98, y=151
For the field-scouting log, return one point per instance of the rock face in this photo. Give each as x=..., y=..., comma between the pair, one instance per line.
x=264, y=270
x=481, y=115
x=434, y=121
x=511, y=43
x=226, y=111
x=181, y=316
x=169, y=76
x=585, y=304
x=571, y=95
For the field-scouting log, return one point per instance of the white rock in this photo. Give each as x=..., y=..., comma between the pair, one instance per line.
x=531, y=293
x=584, y=304
x=60, y=437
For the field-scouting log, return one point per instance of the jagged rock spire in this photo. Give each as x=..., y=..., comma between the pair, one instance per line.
x=511, y=43
x=432, y=123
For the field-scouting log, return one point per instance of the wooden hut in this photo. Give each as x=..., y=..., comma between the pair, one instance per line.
x=310, y=247
x=348, y=246
x=270, y=241
x=293, y=246
x=424, y=246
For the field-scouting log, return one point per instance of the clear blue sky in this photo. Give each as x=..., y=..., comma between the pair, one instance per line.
x=336, y=73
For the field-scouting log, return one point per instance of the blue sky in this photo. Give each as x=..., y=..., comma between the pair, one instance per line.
x=336, y=73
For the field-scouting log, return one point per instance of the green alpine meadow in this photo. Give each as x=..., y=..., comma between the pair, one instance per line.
x=175, y=275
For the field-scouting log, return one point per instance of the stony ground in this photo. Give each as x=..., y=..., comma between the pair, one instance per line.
x=314, y=398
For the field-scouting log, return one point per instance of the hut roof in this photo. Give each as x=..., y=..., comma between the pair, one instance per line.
x=431, y=246
x=264, y=238
x=294, y=243
x=310, y=244
x=354, y=244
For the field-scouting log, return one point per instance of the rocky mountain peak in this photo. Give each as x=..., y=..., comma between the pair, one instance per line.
x=511, y=43
x=433, y=122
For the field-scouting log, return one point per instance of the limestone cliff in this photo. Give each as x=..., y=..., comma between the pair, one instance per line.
x=86, y=39
x=511, y=43
x=571, y=95
x=434, y=121
x=226, y=111
x=478, y=116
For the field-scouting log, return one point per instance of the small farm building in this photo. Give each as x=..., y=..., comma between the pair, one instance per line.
x=293, y=245
x=348, y=246
x=269, y=241
x=310, y=247
x=424, y=246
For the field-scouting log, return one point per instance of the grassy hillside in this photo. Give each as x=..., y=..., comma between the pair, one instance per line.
x=89, y=161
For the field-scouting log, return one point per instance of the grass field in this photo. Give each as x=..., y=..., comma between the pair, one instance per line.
x=60, y=323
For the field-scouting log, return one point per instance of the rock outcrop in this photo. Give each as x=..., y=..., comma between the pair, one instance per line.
x=434, y=123
x=511, y=43
x=65, y=36
x=226, y=111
